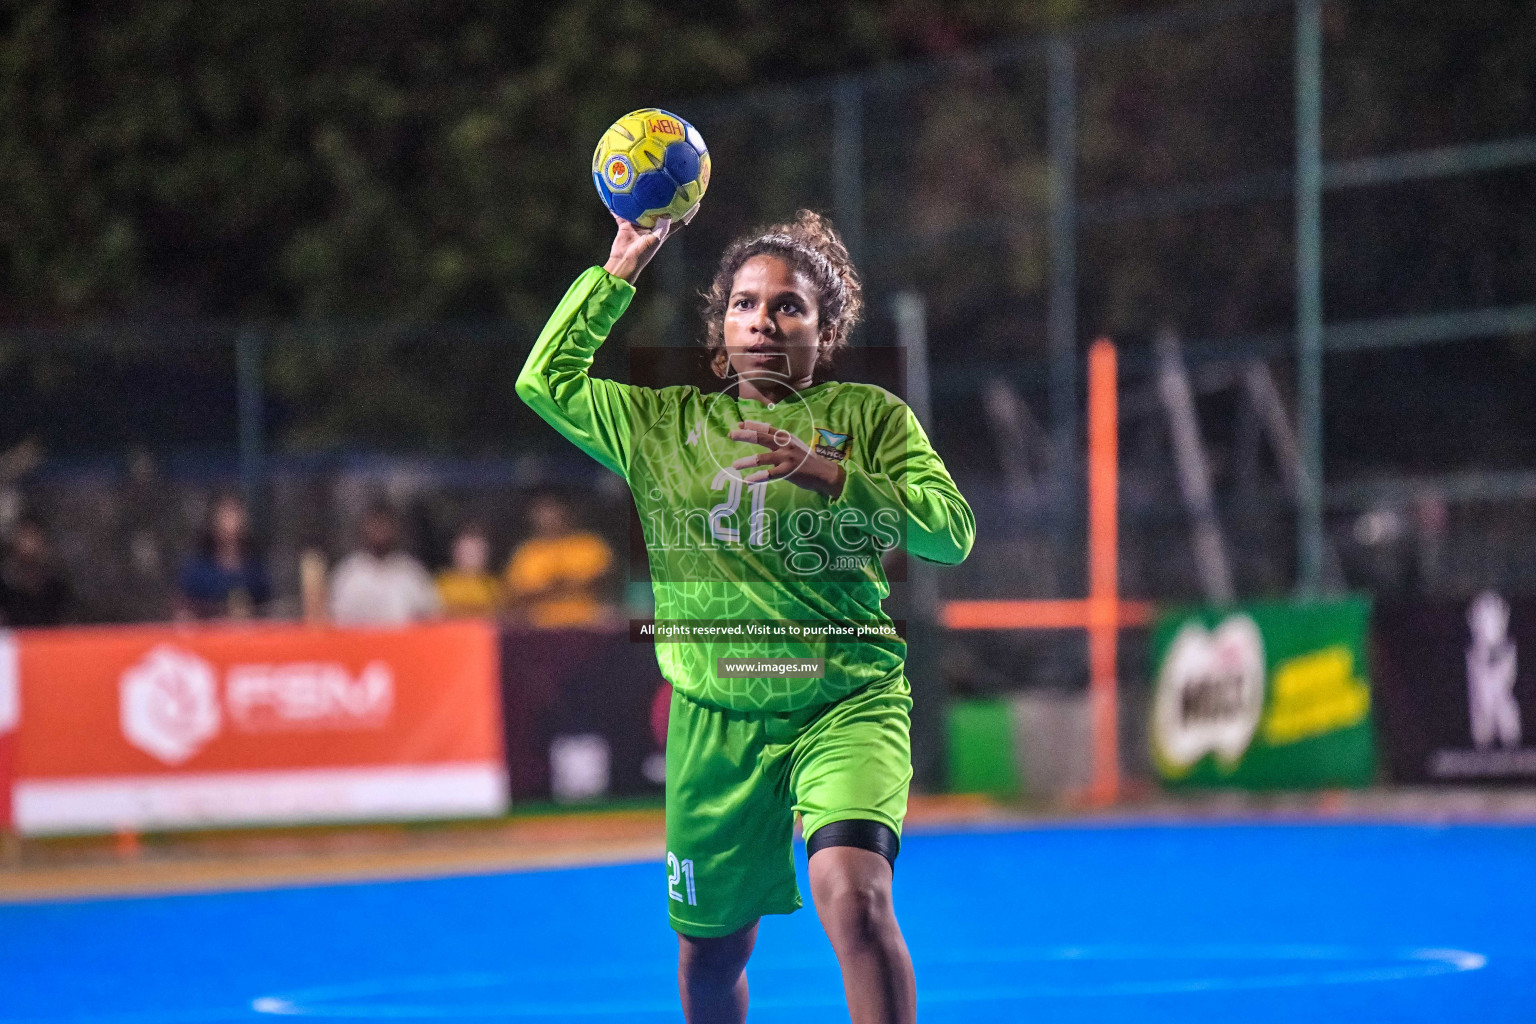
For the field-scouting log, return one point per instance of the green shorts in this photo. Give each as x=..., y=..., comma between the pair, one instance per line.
x=736, y=778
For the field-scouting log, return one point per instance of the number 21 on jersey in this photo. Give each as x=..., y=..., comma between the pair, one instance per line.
x=680, y=871
x=756, y=521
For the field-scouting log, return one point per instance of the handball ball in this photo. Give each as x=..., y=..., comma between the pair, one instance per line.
x=651, y=164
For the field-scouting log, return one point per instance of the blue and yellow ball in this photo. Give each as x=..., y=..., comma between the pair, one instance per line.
x=651, y=164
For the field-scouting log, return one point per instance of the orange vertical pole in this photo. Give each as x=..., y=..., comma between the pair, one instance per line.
x=1103, y=569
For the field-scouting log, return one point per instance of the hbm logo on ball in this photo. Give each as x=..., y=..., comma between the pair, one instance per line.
x=664, y=126
x=651, y=164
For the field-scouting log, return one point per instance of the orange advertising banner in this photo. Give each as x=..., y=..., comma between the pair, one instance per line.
x=173, y=727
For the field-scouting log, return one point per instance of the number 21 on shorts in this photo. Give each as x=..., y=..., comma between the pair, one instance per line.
x=680, y=871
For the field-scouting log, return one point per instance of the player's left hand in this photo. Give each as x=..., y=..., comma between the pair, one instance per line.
x=787, y=458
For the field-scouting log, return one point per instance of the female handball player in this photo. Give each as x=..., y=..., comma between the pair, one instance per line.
x=766, y=508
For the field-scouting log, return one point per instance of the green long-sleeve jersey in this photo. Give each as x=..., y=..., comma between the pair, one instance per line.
x=765, y=570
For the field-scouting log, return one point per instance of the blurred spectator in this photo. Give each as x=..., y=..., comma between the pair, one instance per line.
x=149, y=528
x=380, y=584
x=225, y=578
x=33, y=589
x=552, y=576
x=467, y=587
x=1432, y=518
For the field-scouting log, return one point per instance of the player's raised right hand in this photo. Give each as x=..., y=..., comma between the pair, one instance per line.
x=634, y=246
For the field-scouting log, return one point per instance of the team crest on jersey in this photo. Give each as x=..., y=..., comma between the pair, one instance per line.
x=830, y=445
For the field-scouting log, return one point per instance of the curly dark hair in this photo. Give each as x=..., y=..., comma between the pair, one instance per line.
x=808, y=244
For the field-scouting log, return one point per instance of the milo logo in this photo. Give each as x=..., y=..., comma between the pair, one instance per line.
x=1210, y=694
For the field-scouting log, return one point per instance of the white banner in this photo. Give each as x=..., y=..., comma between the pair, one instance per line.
x=64, y=806
x=10, y=683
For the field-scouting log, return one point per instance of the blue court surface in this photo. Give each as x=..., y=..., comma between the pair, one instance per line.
x=1197, y=923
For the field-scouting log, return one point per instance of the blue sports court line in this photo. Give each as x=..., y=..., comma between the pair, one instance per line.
x=1197, y=923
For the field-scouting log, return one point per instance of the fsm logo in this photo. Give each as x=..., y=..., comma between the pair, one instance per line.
x=169, y=704
x=303, y=695
x=619, y=173
x=172, y=703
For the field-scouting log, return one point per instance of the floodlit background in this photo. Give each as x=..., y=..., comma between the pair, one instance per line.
x=270, y=269
x=298, y=253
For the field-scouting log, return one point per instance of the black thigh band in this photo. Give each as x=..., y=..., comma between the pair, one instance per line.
x=875, y=836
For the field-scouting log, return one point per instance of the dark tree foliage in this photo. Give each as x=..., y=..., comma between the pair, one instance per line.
x=365, y=158
x=366, y=162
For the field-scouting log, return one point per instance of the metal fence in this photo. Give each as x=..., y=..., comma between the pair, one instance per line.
x=1033, y=194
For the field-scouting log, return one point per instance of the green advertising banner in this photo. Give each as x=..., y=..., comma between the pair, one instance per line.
x=1263, y=696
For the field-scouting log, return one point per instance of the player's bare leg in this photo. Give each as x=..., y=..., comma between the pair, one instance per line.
x=852, y=889
x=712, y=976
